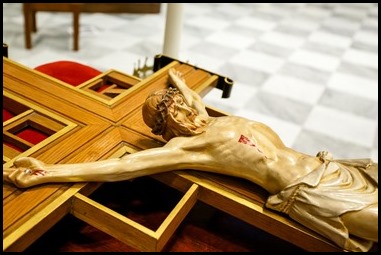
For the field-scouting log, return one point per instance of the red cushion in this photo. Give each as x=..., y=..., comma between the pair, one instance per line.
x=68, y=71
x=32, y=135
x=7, y=114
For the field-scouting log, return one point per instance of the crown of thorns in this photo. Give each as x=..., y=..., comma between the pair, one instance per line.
x=162, y=111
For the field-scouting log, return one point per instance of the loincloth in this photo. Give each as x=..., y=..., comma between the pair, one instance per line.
x=318, y=199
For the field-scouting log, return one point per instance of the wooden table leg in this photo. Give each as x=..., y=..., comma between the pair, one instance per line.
x=28, y=20
x=76, y=12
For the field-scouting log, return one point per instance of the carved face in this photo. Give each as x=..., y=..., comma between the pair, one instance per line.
x=180, y=111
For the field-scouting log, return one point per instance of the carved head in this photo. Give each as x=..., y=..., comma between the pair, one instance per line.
x=163, y=111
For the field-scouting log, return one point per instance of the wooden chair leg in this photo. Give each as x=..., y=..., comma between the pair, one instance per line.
x=28, y=20
x=76, y=30
x=34, y=22
x=76, y=8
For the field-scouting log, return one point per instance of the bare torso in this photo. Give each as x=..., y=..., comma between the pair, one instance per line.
x=240, y=147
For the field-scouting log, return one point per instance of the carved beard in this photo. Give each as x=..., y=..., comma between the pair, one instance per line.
x=191, y=126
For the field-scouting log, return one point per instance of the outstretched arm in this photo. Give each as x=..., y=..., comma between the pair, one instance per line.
x=192, y=98
x=30, y=171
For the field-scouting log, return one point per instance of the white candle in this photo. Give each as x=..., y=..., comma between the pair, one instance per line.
x=173, y=27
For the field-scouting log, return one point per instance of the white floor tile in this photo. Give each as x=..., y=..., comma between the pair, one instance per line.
x=293, y=88
x=258, y=61
x=342, y=125
x=315, y=60
x=355, y=85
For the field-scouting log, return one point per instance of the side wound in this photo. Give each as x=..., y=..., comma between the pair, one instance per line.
x=245, y=140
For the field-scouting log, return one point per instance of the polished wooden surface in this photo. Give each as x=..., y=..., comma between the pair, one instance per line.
x=99, y=126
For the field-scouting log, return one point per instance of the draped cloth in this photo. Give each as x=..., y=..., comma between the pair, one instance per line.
x=318, y=199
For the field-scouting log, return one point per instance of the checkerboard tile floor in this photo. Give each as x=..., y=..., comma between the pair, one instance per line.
x=309, y=71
